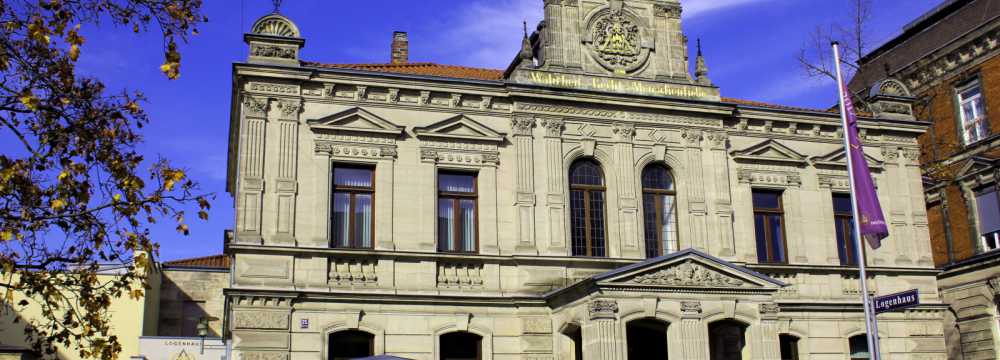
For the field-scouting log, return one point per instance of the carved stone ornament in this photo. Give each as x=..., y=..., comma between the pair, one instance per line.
x=273, y=51
x=691, y=137
x=487, y=103
x=290, y=108
x=256, y=106
x=275, y=25
x=911, y=154
x=615, y=39
x=428, y=154
x=425, y=97
x=553, y=127
x=456, y=100
x=995, y=284
x=672, y=11
x=624, y=131
x=890, y=153
x=717, y=139
x=257, y=355
x=603, y=309
x=688, y=274
x=691, y=306
x=491, y=159
x=393, y=96
x=260, y=320
x=522, y=124
x=769, y=308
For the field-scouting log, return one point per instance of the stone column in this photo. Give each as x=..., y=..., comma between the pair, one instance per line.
x=555, y=180
x=602, y=338
x=249, y=201
x=918, y=216
x=428, y=200
x=722, y=222
x=695, y=190
x=489, y=235
x=628, y=205
x=524, y=183
x=693, y=333
x=763, y=337
x=287, y=175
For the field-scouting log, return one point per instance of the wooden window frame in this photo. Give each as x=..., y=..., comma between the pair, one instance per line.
x=456, y=199
x=959, y=102
x=587, y=217
x=353, y=191
x=846, y=220
x=658, y=208
x=768, y=236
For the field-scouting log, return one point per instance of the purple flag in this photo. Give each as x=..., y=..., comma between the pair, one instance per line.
x=872, y=222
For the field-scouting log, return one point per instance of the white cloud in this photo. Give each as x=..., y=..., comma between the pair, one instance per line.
x=489, y=33
x=695, y=8
x=794, y=86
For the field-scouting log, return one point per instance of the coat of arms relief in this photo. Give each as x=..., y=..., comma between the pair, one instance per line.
x=689, y=273
x=616, y=39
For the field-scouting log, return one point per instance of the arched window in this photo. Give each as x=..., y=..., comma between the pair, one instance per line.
x=461, y=346
x=350, y=344
x=789, y=347
x=727, y=340
x=659, y=204
x=859, y=347
x=586, y=201
x=646, y=339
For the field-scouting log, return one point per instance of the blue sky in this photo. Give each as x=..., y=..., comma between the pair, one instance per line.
x=750, y=45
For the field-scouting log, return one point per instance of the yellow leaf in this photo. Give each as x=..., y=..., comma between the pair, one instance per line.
x=6, y=235
x=63, y=174
x=118, y=197
x=58, y=204
x=74, y=52
x=30, y=101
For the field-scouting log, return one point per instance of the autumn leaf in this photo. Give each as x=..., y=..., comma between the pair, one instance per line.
x=58, y=204
x=29, y=100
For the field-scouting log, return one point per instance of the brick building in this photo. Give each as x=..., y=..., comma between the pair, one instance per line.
x=948, y=60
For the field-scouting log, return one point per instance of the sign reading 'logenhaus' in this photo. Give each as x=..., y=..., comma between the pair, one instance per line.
x=897, y=301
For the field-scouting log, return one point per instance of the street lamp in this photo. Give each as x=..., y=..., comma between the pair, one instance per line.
x=202, y=332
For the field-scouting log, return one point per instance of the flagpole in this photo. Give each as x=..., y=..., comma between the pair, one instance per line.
x=871, y=325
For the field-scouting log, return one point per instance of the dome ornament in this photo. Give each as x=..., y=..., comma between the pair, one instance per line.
x=275, y=25
x=277, y=6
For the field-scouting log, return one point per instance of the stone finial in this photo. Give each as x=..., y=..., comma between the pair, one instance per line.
x=277, y=6
x=701, y=69
x=527, y=53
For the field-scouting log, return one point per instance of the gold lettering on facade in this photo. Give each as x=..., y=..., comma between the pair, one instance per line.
x=621, y=86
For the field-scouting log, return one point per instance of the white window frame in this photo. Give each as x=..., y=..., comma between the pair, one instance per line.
x=975, y=129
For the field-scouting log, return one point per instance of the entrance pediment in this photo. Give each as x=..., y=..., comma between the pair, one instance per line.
x=690, y=270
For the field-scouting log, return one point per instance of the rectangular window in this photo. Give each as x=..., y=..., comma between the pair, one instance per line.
x=989, y=218
x=457, y=213
x=352, y=221
x=769, y=227
x=843, y=220
x=972, y=110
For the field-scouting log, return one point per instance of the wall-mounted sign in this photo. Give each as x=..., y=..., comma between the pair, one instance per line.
x=304, y=323
x=897, y=301
x=616, y=85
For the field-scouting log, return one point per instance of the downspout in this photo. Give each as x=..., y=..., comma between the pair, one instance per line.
x=949, y=242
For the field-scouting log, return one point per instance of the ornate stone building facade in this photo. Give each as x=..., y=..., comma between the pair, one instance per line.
x=948, y=60
x=592, y=201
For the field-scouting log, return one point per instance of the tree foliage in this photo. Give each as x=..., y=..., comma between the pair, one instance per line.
x=75, y=193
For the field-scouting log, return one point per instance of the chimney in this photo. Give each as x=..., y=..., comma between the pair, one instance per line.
x=400, y=48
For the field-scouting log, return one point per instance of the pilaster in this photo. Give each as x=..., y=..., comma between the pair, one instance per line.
x=553, y=33
x=602, y=336
x=697, y=207
x=763, y=336
x=523, y=140
x=918, y=214
x=693, y=332
x=555, y=180
x=628, y=205
x=287, y=172
x=723, y=219
x=251, y=170
x=899, y=228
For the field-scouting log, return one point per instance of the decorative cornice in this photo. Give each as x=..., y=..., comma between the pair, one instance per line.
x=921, y=74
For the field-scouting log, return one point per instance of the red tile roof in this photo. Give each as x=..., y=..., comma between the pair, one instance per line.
x=420, y=68
x=463, y=72
x=206, y=262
